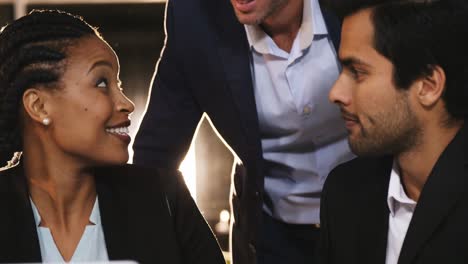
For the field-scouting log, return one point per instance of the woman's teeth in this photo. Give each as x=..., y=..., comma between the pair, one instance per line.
x=118, y=130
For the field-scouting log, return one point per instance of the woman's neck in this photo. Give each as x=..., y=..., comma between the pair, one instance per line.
x=64, y=195
x=63, y=192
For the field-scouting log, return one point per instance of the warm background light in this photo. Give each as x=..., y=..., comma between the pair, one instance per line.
x=224, y=216
x=189, y=171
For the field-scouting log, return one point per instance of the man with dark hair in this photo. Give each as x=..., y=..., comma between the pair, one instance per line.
x=403, y=94
x=261, y=70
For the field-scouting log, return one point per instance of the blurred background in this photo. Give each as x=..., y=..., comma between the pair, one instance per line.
x=135, y=29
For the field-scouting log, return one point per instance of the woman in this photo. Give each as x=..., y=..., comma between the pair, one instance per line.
x=72, y=198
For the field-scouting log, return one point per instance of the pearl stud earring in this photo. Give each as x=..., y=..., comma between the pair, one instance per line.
x=46, y=121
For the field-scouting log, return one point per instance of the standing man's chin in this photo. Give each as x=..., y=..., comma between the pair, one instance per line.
x=246, y=19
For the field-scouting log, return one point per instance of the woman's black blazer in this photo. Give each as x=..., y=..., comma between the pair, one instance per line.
x=147, y=215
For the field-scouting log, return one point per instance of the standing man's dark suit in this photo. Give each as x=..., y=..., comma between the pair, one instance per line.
x=205, y=67
x=355, y=214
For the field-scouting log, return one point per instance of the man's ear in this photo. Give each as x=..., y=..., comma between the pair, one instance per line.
x=34, y=102
x=432, y=87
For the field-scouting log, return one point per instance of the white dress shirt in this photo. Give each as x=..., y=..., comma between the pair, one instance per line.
x=401, y=211
x=302, y=134
x=91, y=248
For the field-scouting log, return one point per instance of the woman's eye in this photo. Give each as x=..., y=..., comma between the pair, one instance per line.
x=102, y=83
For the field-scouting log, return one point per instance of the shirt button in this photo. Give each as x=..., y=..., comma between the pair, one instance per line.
x=306, y=110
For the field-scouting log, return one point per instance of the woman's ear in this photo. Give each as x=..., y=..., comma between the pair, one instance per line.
x=35, y=105
x=432, y=87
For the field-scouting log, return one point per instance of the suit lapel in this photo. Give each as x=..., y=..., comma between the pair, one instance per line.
x=18, y=235
x=373, y=218
x=114, y=224
x=133, y=215
x=333, y=26
x=234, y=52
x=439, y=196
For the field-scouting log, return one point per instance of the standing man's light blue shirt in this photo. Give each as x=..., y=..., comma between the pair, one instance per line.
x=303, y=135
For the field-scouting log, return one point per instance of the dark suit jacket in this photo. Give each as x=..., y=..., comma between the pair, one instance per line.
x=147, y=216
x=205, y=67
x=354, y=211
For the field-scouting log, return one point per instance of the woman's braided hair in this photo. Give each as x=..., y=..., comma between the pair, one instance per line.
x=32, y=52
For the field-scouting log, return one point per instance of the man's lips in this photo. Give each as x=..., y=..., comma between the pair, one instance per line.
x=244, y=6
x=243, y=2
x=350, y=119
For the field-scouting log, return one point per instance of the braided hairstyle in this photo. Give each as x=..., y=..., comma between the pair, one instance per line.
x=32, y=52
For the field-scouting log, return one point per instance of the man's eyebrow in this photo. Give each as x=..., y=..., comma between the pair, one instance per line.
x=348, y=61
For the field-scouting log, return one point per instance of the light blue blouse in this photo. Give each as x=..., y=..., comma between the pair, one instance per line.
x=91, y=248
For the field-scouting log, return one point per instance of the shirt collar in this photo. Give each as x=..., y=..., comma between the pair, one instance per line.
x=396, y=192
x=313, y=24
x=94, y=218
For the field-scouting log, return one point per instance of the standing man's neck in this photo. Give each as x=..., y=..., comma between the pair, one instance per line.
x=417, y=163
x=283, y=25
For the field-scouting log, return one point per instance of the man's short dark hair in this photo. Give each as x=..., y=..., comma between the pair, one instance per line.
x=416, y=36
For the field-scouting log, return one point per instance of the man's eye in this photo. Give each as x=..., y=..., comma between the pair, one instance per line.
x=356, y=74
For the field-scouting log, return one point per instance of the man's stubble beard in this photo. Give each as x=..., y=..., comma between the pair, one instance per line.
x=391, y=132
x=274, y=6
x=272, y=9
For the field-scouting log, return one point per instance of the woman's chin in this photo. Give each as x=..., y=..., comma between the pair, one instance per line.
x=116, y=160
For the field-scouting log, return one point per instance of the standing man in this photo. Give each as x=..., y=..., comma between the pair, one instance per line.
x=261, y=70
x=403, y=94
